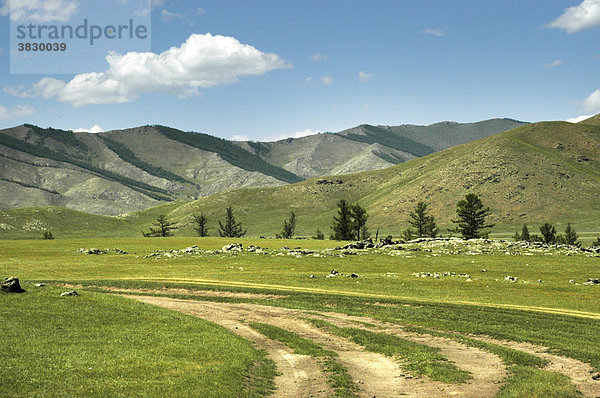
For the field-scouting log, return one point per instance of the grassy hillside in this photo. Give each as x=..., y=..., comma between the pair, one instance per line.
x=543, y=172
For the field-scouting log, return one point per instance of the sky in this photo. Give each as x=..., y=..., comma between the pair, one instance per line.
x=266, y=70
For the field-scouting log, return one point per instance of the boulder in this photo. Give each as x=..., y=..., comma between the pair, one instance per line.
x=11, y=285
x=70, y=293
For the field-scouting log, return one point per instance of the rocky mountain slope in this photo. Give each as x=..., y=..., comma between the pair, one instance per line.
x=541, y=172
x=122, y=171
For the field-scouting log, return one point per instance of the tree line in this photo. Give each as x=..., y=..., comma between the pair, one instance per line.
x=350, y=223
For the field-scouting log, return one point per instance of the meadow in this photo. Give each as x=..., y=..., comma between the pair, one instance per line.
x=81, y=345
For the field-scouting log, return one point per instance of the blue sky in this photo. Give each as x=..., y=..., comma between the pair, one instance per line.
x=271, y=69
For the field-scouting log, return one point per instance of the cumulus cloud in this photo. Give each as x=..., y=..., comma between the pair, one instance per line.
x=434, y=32
x=553, y=64
x=297, y=134
x=327, y=80
x=15, y=112
x=318, y=57
x=364, y=76
x=39, y=10
x=95, y=129
x=203, y=61
x=577, y=18
x=578, y=118
x=592, y=102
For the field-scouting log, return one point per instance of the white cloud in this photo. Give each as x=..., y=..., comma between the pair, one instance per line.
x=203, y=61
x=15, y=112
x=318, y=57
x=200, y=11
x=592, y=102
x=366, y=106
x=168, y=16
x=309, y=79
x=327, y=80
x=39, y=10
x=240, y=138
x=578, y=118
x=297, y=134
x=95, y=129
x=584, y=16
x=434, y=32
x=364, y=76
x=553, y=64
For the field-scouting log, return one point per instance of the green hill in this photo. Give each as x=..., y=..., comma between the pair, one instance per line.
x=121, y=171
x=536, y=173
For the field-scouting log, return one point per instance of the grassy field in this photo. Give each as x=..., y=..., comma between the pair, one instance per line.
x=104, y=345
x=555, y=313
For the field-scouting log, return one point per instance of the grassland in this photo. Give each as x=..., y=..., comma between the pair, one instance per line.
x=553, y=313
x=98, y=345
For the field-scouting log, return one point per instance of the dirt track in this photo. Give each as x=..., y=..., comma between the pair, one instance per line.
x=375, y=374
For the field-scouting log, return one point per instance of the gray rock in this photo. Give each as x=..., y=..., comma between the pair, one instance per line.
x=71, y=293
x=11, y=285
x=39, y=284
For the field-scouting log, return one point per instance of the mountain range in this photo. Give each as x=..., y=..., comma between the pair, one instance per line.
x=535, y=173
x=121, y=171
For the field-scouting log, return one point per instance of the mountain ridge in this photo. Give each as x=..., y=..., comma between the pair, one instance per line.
x=536, y=173
x=143, y=166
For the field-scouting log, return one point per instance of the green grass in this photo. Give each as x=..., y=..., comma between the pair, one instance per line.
x=103, y=345
x=555, y=314
x=299, y=344
x=339, y=378
x=418, y=359
x=508, y=355
x=536, y=383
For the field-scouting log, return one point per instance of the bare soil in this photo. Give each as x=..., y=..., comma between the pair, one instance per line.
x=375, y=374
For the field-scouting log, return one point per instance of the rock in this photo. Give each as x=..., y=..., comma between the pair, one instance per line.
x=11, y=285
x=596, y=376
x=353, y=275
x=312, y=276
x=572, y=281
x=511, y=278
x=39, y=284
x=233, y=247
x=71, y=293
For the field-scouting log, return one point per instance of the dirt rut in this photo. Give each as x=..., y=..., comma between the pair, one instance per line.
x=299, y=373
x=375, y=374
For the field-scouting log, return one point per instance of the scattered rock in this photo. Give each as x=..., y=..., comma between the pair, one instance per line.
x=11, y=285
x=592, y=281
x=92, y=251
x=353, y=275
x=596, y=376
x=233, y=247
x=39, y=284
x=511, y=278
x=572, y=281
x=70, y=293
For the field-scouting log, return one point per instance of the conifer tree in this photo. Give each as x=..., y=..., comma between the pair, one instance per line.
x=423, y=223
x=289, y=227
x=200, y=224
x=342, y=224
x=471, y=217
x=231, y=228
x=571, y=236
x=163, y=228
x=548, y=233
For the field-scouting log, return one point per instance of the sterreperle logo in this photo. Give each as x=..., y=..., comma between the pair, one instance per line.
x=76, y=37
